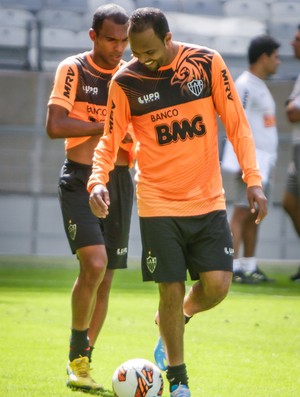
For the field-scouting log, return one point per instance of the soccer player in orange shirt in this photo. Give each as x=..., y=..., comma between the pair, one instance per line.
x=77, y=110
x=172, y=94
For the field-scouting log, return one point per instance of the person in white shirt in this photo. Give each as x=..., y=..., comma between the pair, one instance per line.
x=291, y=198
x=260, y=109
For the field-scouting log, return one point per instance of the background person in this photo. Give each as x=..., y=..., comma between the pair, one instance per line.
x=291, y=198
x=171, y=93
x=260, y=109
x=76, y=111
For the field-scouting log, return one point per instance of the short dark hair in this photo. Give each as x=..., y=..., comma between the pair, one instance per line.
x=263, y=44
x=109, y=11
x=148, y=17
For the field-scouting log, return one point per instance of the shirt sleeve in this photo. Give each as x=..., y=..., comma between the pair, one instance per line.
x=65, y=85
x=233, y=116
x=115, y=129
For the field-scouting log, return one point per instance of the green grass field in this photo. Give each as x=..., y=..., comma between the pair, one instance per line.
x=247, y=346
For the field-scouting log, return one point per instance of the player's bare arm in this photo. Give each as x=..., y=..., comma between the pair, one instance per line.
x=60, y=125
x=293, y=112
x=99, y=201
x=257, y=202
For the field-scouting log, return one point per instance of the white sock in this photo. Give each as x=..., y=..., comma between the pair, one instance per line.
x=237, y=265
x=248, y=264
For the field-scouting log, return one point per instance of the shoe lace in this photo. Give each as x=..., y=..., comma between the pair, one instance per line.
x=82, y=369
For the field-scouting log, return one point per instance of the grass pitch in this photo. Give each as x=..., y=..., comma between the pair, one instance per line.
x=247, y=346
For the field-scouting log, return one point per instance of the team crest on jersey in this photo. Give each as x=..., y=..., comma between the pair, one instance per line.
x=72, y=229
x=195, y=86
x=151, y=262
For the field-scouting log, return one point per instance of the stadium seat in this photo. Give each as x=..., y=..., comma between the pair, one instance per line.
x=193, y=24
x=55, y=44
x=204, y=7
x=214, y=25
x=284, y=32
x=29, y=5
x=16, y=17
x=63, y=19
x=71, y=5
x=14, y=47
x=194, y=38
x=285, y=11
x=242, y=26
x=164, y=5
x=83, y=40
x=232, y=45
x=129, y=5
x=247, y=8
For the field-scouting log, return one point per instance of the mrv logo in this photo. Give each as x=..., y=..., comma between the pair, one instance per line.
x=154, y=96
x=226, y=84
x=68, y=82
x=168, y=133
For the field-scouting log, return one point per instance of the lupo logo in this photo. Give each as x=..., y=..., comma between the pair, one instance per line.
x=154, y=96
x=90, y=90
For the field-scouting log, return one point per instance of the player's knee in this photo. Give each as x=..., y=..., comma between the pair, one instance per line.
x=216, y=292
x=93, y=271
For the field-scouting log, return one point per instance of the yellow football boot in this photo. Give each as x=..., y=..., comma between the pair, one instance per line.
x=79, y=377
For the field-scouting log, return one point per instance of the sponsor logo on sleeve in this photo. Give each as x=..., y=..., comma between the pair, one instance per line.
x=68, y=82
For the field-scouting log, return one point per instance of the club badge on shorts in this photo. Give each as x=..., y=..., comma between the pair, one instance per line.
x=151, y=262
x=72, y=229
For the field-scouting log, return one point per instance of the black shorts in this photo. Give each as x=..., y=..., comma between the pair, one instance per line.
x=174, y=245
x=82, y=227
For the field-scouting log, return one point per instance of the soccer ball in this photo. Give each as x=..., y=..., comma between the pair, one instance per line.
x=137, y=378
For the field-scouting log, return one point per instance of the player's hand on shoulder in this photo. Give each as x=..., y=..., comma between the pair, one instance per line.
x=99, y=201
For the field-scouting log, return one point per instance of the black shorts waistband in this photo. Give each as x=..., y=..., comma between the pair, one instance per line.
x=74, y=164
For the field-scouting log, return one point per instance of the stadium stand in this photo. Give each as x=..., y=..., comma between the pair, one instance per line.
x=195, y=38
x=55, y=44
x=83, y=40
x=285, y=11
x=129, y=5
x=206, y=7
x=283, y=31
x=165, y=5
x=16, y=26
x=14, y=47
x=29, y=5
x=16, y=17
x=59, y=18
x=189, y=21
x=71, y=5
x=247, y=8
x=232, y=45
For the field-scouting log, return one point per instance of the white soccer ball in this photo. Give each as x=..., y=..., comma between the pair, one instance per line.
x=137, y=378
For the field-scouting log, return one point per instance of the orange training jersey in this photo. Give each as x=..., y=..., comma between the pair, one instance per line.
x=81, y=87
x=173, y=113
